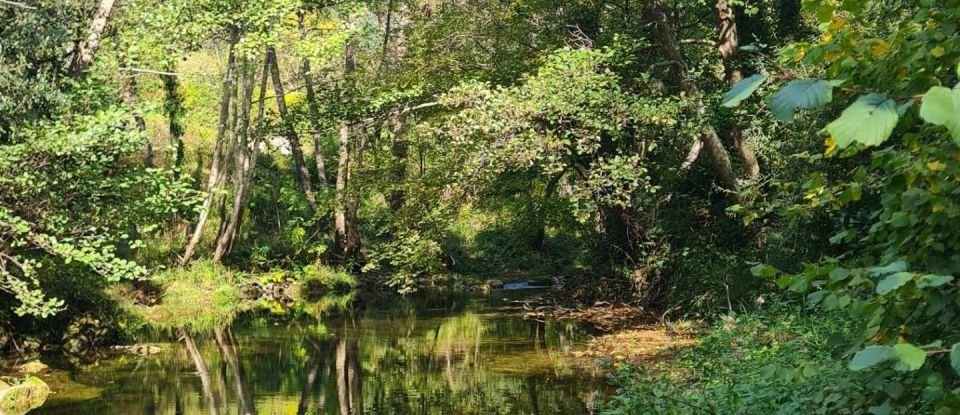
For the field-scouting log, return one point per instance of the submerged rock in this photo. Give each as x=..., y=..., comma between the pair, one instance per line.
x=22, y=398
x=32, y=367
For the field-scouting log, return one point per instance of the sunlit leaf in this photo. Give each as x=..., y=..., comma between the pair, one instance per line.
x=869, y=120
x=742, y=90
x=909, y=357
x=801, y=94
x=941, y=106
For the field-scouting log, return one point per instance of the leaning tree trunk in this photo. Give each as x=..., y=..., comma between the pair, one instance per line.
x=312, y=106
x=728, y=44
x=296, y=150
x=85, y=53
x=666, y=33
x=215, y=178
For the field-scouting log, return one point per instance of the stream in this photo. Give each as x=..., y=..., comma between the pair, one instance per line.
x=433, y=354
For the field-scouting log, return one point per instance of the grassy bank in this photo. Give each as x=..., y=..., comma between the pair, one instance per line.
x=778, y=360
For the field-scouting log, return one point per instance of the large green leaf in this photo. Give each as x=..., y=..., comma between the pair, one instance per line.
x=742, y=90
x=893, y=281
x=909, y=357
x=801, y=94
x=870, y=356
x=870, y=121
x=955, y=357
x=941, y=106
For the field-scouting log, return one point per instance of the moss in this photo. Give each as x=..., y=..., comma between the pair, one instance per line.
x=22, y=398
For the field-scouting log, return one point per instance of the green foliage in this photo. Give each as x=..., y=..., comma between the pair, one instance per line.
x=801, y=94
x=774, y=361
x=870, y=121
x=742, y=90
x=317, y=280
x=941, y=106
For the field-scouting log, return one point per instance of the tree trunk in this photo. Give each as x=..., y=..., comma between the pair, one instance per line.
x=88, y=49
x=173, y=106
x=541, y=235
x=399, y=152
x=296, y=150
x=728, y=44
x=214, y=181
x=244, y=161
x=346, y=237
x=666, y=33
x=314, y=111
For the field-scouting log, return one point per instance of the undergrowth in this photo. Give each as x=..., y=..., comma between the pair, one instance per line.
x=776, y=361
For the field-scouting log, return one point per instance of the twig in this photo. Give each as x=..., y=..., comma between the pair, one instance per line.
x=17, y=4
x=139, y=70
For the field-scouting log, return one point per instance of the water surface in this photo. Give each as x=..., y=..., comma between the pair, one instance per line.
x=438, y=354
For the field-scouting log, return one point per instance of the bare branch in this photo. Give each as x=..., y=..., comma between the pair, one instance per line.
x=17, y=4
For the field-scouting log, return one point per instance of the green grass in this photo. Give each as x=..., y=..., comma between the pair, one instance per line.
x=317, y=279
x=198, y=298
x=777, y=361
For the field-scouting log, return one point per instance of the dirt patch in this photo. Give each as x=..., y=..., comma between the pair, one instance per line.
x=638, y=345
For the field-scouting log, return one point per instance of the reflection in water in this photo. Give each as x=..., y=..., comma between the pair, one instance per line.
x=436, y=356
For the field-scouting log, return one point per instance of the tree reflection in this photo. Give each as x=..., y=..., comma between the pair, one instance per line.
x=439, y=357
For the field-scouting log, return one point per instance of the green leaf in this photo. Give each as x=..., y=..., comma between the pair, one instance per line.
x=896, y=266
x=893, y=281
x=869, y=120
x=742, y=90
x=870, y=357
x=801, y=94
x=941, y=106
x=931, y=280
x=910, y=357
x=955, y=357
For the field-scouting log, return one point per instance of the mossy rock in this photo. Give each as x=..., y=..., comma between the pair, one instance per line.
x=32, y=367
x=22, y=398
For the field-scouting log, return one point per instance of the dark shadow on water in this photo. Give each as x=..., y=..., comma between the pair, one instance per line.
x=430, y=355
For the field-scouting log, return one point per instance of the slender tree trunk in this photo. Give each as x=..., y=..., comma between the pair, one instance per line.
x=296, y=150
x=244, y=160
x=540, y=237
x=666, y=33
x=312, y=106
x=215, y=179
x=399, y=152
x=202, y=371
x=346, y=234
x=728, y=44
x=173, y=106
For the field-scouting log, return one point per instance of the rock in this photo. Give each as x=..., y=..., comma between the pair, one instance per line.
x=495, y=284
x=22, y=398
x=32, y=367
